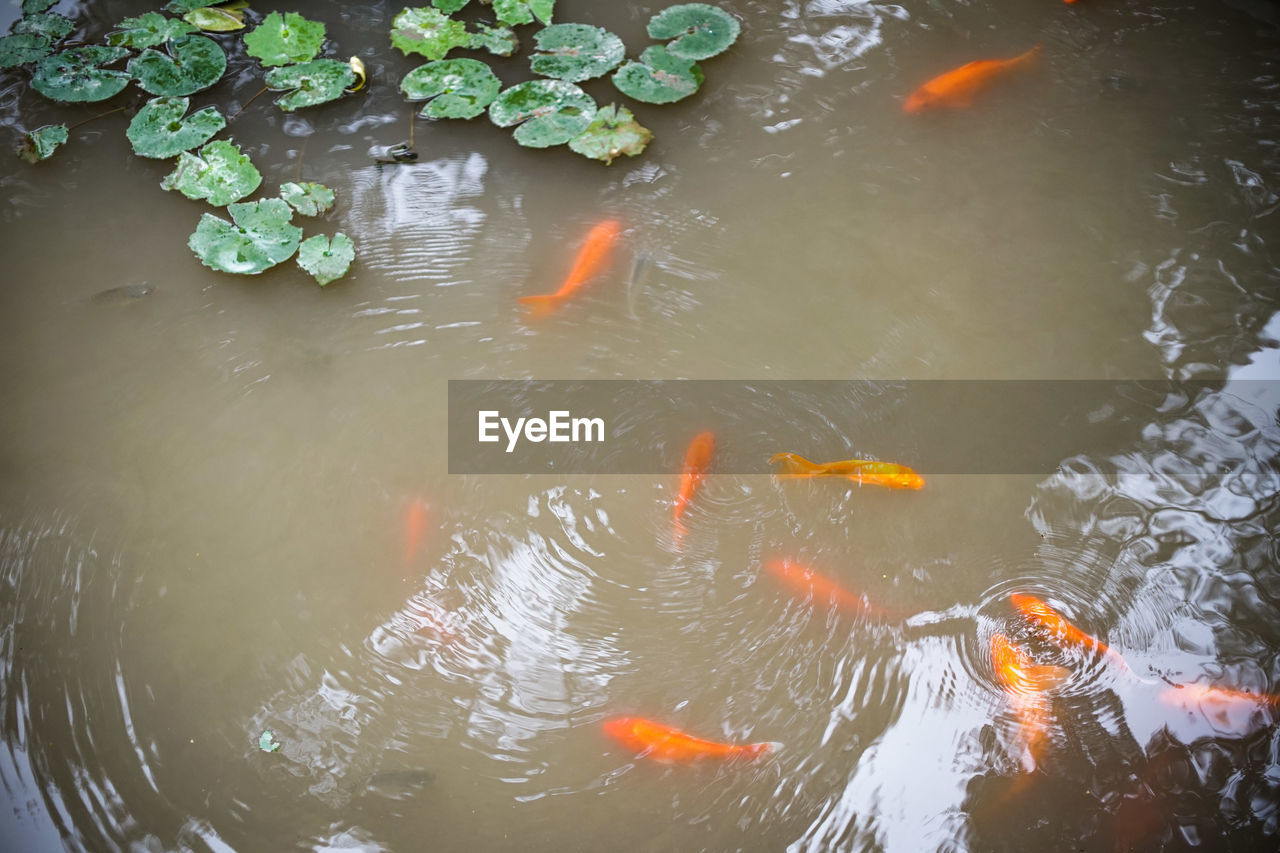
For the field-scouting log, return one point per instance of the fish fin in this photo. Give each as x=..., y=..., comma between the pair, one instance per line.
x=764, y=748
x=541, y=304
x=791, y=463
x=1031, y=55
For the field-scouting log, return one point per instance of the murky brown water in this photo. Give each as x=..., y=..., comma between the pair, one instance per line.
x=203, y=489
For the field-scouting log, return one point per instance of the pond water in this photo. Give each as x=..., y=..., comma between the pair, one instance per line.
x=225, y=504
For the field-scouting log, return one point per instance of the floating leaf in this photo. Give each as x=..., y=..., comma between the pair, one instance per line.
x=326, y=261
x=449, y=6
x=699, y=31
x=357, y=68
x=267, y=742
x=217, y=19
x=177, y=7
x=192, y=63
x=659, y=77
x=461, y=88
x=40, y=143
x=160, y=131
x=261, y=237
x=148, y=30
x=33, y=7
x=500, y=41
x=23, y=48
x=284, y=40
x=514, y=12
x=549, y=112
x=428, y=32
x=612, y=133
x=218, y=172
x=576, y=52
x=74, y=75
x=49, y=24
x=313, y=82
x=309, y=199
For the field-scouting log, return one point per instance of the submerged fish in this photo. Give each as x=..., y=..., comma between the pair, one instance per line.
x=823, y=590
x=862, y=471
x=670, y=745
x=399, y=783
x=415, y=528
x=639, y=267
x=1042, y=616
x=957, y=87
x=1018, y=673
x=124, y=293
x=1211, y=699
x=592, y=259
x=696, y=461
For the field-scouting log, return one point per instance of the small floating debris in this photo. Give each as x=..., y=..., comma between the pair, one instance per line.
x=267, y=742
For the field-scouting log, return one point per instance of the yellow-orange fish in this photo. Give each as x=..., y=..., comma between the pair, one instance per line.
x=862, y=471
x=957, y=88
x=1042, y=616
x=592, y=259
x=670, y=745
x=697, y=459
x=1024, y=682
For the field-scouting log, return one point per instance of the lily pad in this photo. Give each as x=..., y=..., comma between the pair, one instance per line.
x=549, y=112
x=261, y=237
x=191, y=64
x=217, y=19
x=148, y=30
x=309, y=199
x=612, y=133
x=48, y=24
x=267, y=742
x=76, y=75
x=326, y=261
x=180, y=6
x=314, y=82
x=427, y=32
x=512, y=12
x=453, y=88
x=217, y=172
x=160, y=131
x=23, y=48
x=659, y=77
x=576, y=52
x=40, y=143
x=281, y=40
x=698, y=31
x=500, y=41
x=449, y=6
x=33, y=7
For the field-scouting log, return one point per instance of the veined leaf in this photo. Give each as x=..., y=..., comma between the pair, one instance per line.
x=326, y=261
x=698, y=31
x=218, y=19
x=427, y=32
x=178, y=7
x=191, y=64
x=612, y=133
x=314, y=82
x=500, y=41
x=148, y=30
x=281, y=40
x=40, y=143
x=23, y=48
x=659, y=77
x=218, y=172
x=449, y=6
x=457, y=88
x=160, y=131
x=261, y=237
x=75, y=75
x=576, y=52
x=549, y=112
x=309, y=199
x=33, y=7
x=48, y=24
x=512, y=12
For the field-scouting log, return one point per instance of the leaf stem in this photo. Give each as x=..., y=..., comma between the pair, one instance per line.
x=93, y=118
x=245, y=105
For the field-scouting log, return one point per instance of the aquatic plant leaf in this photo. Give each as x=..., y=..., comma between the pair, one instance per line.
x=311, y=83
x=427, y=32
x=191, y=64
x=453, y=88
x=576, y=52
x=357, y=68
x=281, y=40
x=217, y=19
x=33, y=7
x=217, y=172
x=449, y=6
x=51, y=25
x=148, y=30
x=160, y=131
x=76, y=76
x=178, y=7
x=549, y=112
x=23, y=48
x=613, y=132
x=698, y=31
x=500, y=41
x=267, y=742
x=261, y=237
x=309, y=199
x=512, y=12
x=326, y=261
x=659, y=77
x=40, y=143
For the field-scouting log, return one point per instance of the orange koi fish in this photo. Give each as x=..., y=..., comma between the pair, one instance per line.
x=957, y=87
x=696, y=461
x=866, y=471
x=415, y=528
x=1223, y=699
x=670, y=745
x=1018, y=673
x=592, y=259
x=823, y=590
x=1041, y=615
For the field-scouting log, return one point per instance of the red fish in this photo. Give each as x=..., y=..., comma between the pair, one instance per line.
x=957, y=87
x=593, y=258
x=1025, y=681
x=1041, y=615
x=823, y=590
x=415, y=528
x=670, y=745
x=861, y=471
x=696, y=461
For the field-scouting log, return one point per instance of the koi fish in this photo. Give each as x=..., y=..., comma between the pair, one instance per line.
x=1221, y=699
x=592, y=259
x=1042, y=616
x=415, y=528
x=957, y=87
x=821, y=589
x=696, y=461
x=861, y=471
x=1018, y=673
x=670, y=745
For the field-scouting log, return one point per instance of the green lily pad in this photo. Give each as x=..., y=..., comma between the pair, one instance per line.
x=309, y=199
x=549, y=112
x=512, y=12
x=261, y=237
x=218, y=172
x=23, y=48
x=48, y=24
x=191, y=64
x=75, y=75
x=449, y=6
x=148, y=30
x=40, y=143
x=33, y=7
x=281, y=40
x=314, y=82
x=461, y=88
x=576, y=52
x=267, y=742
x=500, y=41
x=326, y=261
x=699, y=31
x=217, y=19
x=427, y=32
x=178, y=7
x=160, y=131
x=659, y=77
x=612, y=133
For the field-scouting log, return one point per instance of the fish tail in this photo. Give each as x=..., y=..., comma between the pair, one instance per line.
x=1030, y=55
x=755, y=750
x=791, y=463
x=541, y=304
